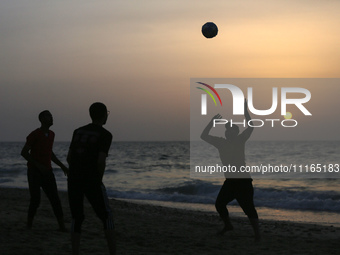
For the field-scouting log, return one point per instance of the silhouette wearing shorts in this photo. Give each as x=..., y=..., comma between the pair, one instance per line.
x=236, y=185
x=87, y=159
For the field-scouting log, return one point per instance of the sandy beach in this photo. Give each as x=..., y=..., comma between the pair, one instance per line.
x=147, y=229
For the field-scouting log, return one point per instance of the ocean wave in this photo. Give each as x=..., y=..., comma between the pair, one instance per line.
x=175, y=197
x=164, y=157
x=196, y=187
x=298, y=200
x=5, y=180
x=205, y=193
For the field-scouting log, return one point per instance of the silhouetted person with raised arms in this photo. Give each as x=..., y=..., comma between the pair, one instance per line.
x=39, y=154
x=237, y=185
x=87, y=160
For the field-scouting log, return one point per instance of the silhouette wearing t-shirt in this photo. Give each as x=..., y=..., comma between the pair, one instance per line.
x=39, y=154
x=87, y=160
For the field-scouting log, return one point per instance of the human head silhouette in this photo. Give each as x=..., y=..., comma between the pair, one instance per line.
x=231, y=131
x=98, y=113
x=46, y=118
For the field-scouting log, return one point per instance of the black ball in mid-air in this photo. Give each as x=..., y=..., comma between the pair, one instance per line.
x=209, y=30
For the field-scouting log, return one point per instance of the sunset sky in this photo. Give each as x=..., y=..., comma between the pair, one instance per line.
x=137, y=57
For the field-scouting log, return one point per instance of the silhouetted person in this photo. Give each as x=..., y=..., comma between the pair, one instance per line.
x=237, y=185
x=39, y=154
x=87, y=160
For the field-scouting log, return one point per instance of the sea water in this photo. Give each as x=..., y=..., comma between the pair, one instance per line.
x=159, y=173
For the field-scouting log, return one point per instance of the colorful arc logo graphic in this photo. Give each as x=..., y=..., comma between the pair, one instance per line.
x=204, y=101
x=212, y=89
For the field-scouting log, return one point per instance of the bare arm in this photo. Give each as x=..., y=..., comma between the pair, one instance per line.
x=249, y=129
x=205, y=134
x=101, y=164
x=69, y=155
x=59, y=163
x=25, y=153
x=246, y=113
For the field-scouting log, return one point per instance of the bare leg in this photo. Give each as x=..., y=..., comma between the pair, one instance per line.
x=255, y=224
x=75, y=240
x=225, y=195
x=111, y=240
x=227, y=226
x=29, y=222
x=61, y=225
